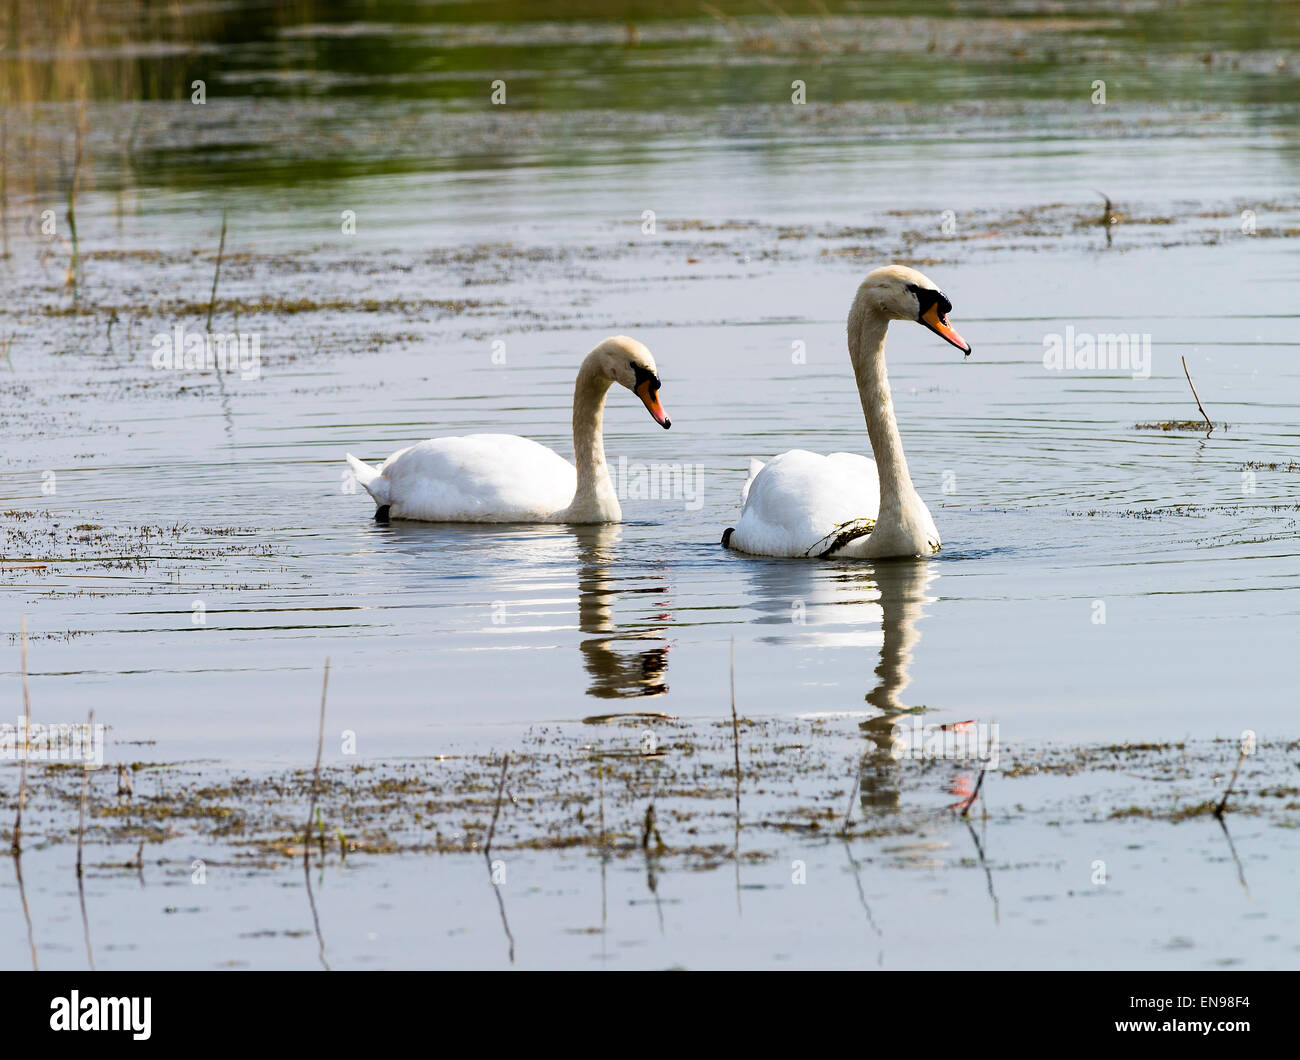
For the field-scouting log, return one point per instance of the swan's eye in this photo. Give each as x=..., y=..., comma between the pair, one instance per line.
x=644, y=375
x=927, y=298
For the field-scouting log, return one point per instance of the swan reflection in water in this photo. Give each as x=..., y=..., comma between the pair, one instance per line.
x=902, y=586
x=855, y=606
x=622, y=663
x=623, y=660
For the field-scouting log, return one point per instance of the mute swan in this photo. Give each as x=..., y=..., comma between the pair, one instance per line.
x=804, y=504
x=502, y=478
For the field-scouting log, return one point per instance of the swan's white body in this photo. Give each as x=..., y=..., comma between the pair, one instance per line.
x=791, y=501
x=804, y=504
x=502, y=478
x=475, y=478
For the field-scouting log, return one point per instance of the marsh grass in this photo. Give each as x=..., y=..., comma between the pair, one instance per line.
x=59, y=54
x=1177, y=425
x=74, y=180
x=4, y=182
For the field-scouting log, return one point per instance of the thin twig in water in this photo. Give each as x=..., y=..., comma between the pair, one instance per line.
x=315, y=917
x=85, y=922
x=735, y=743
x=1232, y=847
x=81, y=831
x=600, y=773
x=604, y=905
x=735, y=727
x=27, y=915
x=965, y=810
x=1223, y=802
x=17, y=845
x=85, y=786
x=650, y=830
x=315, y=784
x=857, y=880
x=216, y=274
x=853, y=797
x=212, y=301
x=496, y=810
x=74, y=273
x=306, y=839
x=487, y=856
x=1208, y=421
x=651, y=858
x=988, y=874
x=604, y=861
x=1108, y=218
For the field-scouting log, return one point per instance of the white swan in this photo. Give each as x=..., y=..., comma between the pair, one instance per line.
x=804, y=504
x=502, y=478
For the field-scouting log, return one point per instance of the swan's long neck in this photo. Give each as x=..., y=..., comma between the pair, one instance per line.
x=867, y=351
x=595, y=499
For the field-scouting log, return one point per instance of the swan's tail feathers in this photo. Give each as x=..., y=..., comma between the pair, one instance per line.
x=375, y=483
x=755, y=466
x=726, y=536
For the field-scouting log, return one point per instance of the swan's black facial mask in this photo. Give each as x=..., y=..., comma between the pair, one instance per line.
x=647, y=389
x=934, y=310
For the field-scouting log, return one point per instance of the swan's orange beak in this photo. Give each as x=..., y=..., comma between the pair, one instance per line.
x=648, y=391
x=938, y=323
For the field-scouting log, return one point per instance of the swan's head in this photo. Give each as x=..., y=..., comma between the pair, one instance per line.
x=900, y=293
x=628, y=363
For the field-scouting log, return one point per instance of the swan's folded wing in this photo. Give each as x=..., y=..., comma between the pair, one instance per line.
x=479, y=478
x=858, y=469
x=800, y=497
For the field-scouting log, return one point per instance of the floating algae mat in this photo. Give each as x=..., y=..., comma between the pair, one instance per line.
x=582, y=836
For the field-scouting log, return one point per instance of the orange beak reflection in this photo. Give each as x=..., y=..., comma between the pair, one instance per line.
x=648, y=392
x=938, y=323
